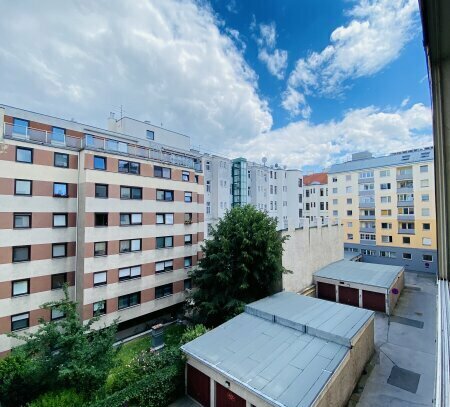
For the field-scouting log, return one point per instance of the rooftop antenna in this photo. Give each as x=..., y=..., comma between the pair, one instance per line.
x=264, y=160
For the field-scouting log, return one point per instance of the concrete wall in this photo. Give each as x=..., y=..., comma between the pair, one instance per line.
x=339, y=388
x=308, y=250
x=399, y=285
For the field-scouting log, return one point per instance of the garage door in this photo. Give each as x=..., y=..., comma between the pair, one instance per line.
x=198, y=386
x=326, y=291
x=374, y=301
x=349, y=296
x=226, y=398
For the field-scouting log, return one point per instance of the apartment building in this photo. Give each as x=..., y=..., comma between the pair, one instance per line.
x=118, y=217
x=316, y=196
x=387, y=207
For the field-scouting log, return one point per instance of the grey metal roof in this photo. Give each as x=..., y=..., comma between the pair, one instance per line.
x=284, y=348
x=385, y=161
x=377, y=275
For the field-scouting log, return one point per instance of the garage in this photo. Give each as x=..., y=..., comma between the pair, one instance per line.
x=349, y=296
x=226, y=398
x=198, y=386
x=376, y=287
x=326, y=291
x=374, y=301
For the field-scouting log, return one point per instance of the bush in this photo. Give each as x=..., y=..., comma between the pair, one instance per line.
x=193, y=332
x=63, y=398
x=173, y=334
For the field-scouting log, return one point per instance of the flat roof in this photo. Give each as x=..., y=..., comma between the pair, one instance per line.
x=376, y=275
x=349, y=256
x=284, y=348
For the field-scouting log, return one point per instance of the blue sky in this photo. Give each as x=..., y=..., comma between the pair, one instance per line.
x=301, y=82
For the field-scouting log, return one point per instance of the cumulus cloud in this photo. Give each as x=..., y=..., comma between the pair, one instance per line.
x=303, y=143
x=295, y=102
x=275, y=59
x=165, y=61
x=374, y=37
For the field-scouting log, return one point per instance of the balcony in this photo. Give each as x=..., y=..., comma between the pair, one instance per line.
x=367, y=217
x=366, y=180
x=367, y=230
x=404, y=217
x=404, y=176
x=369, y=205
x=90, y=142
x=403, y=231
x=368, y=192
x=368, y=242
x=402, y=204
x=405, y=190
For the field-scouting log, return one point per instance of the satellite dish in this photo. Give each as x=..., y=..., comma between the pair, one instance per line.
x=264, y=160
x=276, y=165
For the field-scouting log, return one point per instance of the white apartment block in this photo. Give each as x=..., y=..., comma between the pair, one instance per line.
x=315, y=196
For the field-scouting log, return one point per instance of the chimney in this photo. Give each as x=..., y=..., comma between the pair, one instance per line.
x=112, y=124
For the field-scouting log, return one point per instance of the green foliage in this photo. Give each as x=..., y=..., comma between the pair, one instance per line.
x=193, y=332
x=241, y=264
x=63, y=398
x=173, y=334
x=63, y=354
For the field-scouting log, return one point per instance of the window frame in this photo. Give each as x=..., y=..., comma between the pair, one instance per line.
x=102, y=283
x=53, y=285
x=131, y=193
x=95, y=219
x=130, y=241
x=30, y=150
x=98, y=314
x=27, y=280
x=427, y=261
x=61, y=154
x=65, y=250
x=23, y=180
x=66, y=218
x=158, y=172
x=58, y=195
x=28, y=214
x=129, y=276
x=164, y=246
x=188, y=243
x=162, y=288
x=19, y=315
x=130, y=217
x=128, y=297
x=165, y=192
x=52, y=318
x=106, y=186
x=164, y=215
x=166, y=269
x=128, y=168
x=185, y=173
x=21, y=247
x=103, y=159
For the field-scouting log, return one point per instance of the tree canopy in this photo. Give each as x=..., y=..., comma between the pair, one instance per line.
x=242, y=262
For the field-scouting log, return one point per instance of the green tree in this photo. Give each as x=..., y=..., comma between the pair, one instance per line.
x=241, y=264
x=64, y=353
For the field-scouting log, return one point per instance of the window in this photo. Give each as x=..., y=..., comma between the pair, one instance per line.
x=208, y=208
x=367, y=212
x=129, y=300
x=24, y=155
x=187, y=262
x=349, y=201
x=348, y=177
x=335, y=201
x=99, y=163
x=129, y=273
x=407, y=210
x=322, y=206
x=130, y=193
x=423, y=168
x=58, y=280
x=348, y=190
x=164, y=195
x=60, y=220
x=164, y=266
x=367, y=236
x=406, y=240
x=366, y=187
x=208, y=165
x=208, y=186
x=20, y=126
x=61, y=160
x=58, y=134
x=426, y=226
x=99, y=308
x=368, y=252
x=426, y=241
x=306, y=192
x=150, y=135
x=349, y=213
x=187, y=239
x=334, y=179
x=22, y=187
x=22, y=220
x=385, y=186
x=163, y=290
x=21, y=253
x=384, y=253
x=130, y=245
x=386, y=239
x=427, y=257
x=99, y=278
x=163, y=172
x=349, y=236
x=385, y=225
x=100, y=249
x=407, y=256
x=187, y=284
x=406, y=226
x=386, y=212
x=187, y=218
x=349, y=224
x=56, y=314
x=164, y=218
x=20, y=321
x=164, y=241
x=188, y=197
x=185, y=176
x=60, y=190
x=335, y=213
x=59, y=250
x=335, y=190
x=385, y=199
x=101, y=219
x=366, y=174
x=127, y=219
x=101, y=191
x=425, y=197
x=20, y=287
x=425, y=211
x=196, y=179
x=385, y=173
x=129, y=167
x=424, y=183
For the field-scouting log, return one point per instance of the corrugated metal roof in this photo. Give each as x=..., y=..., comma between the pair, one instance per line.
x=396, y=159
x=377, y=275
x=283, y=348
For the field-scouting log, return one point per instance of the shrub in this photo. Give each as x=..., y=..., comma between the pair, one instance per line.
x=63, y=398
x=193, y=332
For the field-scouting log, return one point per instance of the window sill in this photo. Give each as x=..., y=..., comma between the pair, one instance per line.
x=157, y=273
x=101, y=255
x=165, y=296
x=20, y=295
x=131, y=306
x=129, y=279
x=20, y=329
x=100, y=285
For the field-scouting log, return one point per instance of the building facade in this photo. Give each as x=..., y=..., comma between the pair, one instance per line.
x=387, y=207
x=118, y=217
x=316, y=196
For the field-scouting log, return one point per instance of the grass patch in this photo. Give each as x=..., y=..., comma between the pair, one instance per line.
x=129, y=350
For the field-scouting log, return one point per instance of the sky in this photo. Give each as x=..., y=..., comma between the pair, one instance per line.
x=304, y=83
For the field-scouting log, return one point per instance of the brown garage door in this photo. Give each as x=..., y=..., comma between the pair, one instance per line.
x=226, y=398
x=198, y=386
x=374, y=301
x=326, y=291
x=349, y=296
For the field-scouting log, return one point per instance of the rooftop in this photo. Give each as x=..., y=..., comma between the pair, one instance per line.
x=376, y=275
x=320, y=178
x=283, y=348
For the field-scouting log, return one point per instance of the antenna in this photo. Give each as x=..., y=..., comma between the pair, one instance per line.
x=264, y=160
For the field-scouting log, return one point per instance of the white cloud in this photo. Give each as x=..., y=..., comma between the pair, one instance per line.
x=374, y=37
x=274, y=58
x=165, y=61
x=303, y=143
x=295, y=103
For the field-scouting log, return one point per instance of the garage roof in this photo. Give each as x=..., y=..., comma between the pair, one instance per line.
x=376, y=275
x=283, y=348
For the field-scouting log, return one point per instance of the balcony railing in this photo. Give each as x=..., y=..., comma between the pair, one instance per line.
x=405, y=217
x=367, y=230
x=366, y=192
x=405, y=203
x=366, y=180
x=97, y=143
x=403, y=231
x=366, y=204
x=368, y=242
x=404, y=176
x=367, y=217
